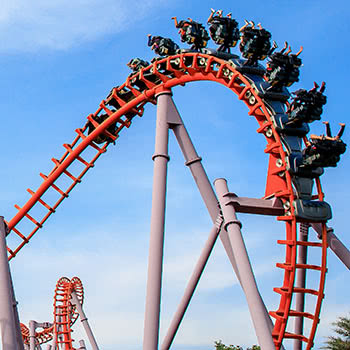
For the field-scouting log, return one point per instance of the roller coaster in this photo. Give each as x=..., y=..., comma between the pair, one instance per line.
x=293, y=191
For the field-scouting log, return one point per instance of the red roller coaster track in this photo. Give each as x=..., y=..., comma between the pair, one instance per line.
x=170, y=72
x=65, y=315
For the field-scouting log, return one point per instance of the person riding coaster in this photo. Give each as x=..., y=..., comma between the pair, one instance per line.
x=283, y=68
x=307, y=106
x=192, y=32
x=223, y=30
x=324, y=150
x=123, y=94
x=255, y=43
x=136, y=64
x=162, y=46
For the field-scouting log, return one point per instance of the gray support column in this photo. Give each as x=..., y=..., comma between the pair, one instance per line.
x=193, y=161
x=191, y=286
x=155, y=258
x=256, y=306
x=7, y=320
x=53, y=345
x=32, y=327
x=19, y=338
x=55, y=335
x=300, y=283
x=84, y=321
x=82, y=345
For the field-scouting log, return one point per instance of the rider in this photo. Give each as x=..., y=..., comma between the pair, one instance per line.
x=255, y=43
x=162, y=46
x=307, y=106
x=135, y=64
x=223, y=30
x=192, y=32
x=283, y=68
x=324, y=150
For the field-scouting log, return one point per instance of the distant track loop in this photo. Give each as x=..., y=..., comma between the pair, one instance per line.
x=65, y=315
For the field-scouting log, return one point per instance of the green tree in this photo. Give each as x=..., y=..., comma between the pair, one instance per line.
x=342, y=340
x=220, y=346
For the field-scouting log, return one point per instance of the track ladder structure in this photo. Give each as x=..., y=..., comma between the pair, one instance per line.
x=299, y=291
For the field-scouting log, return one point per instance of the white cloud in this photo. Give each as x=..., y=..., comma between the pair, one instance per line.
x=61, y=24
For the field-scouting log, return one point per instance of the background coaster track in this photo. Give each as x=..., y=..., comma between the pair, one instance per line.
x=65, y=315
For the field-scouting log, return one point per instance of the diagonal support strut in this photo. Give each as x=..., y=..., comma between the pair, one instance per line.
x=255, y=302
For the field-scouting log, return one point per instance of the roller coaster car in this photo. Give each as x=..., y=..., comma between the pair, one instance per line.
x=125, y=95
x=282, y=69
x=220, y=54
x=201, y=61
x=323, y=152
x=136, y=64
x=255, y=44
x=301, y=173
x=102, y=137
x=224, y=32
x=192, y=33
x=161, y=68
x=312, y=211
x=307, y=106
x=162, y=46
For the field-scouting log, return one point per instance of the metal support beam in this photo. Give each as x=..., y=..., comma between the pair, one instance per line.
x=255, y=302
x=19, y=338
x=8, y=327
x=192, y=285
x=33, y=325
x=56, y=330
x=84, y=321
x=257, y=205
x=155, y=257
x=193, y=161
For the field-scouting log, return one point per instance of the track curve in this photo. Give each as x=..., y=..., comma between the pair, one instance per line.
x=250, y=87
x=65, y=315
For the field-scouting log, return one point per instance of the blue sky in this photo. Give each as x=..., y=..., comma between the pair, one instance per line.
x=59, y=59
